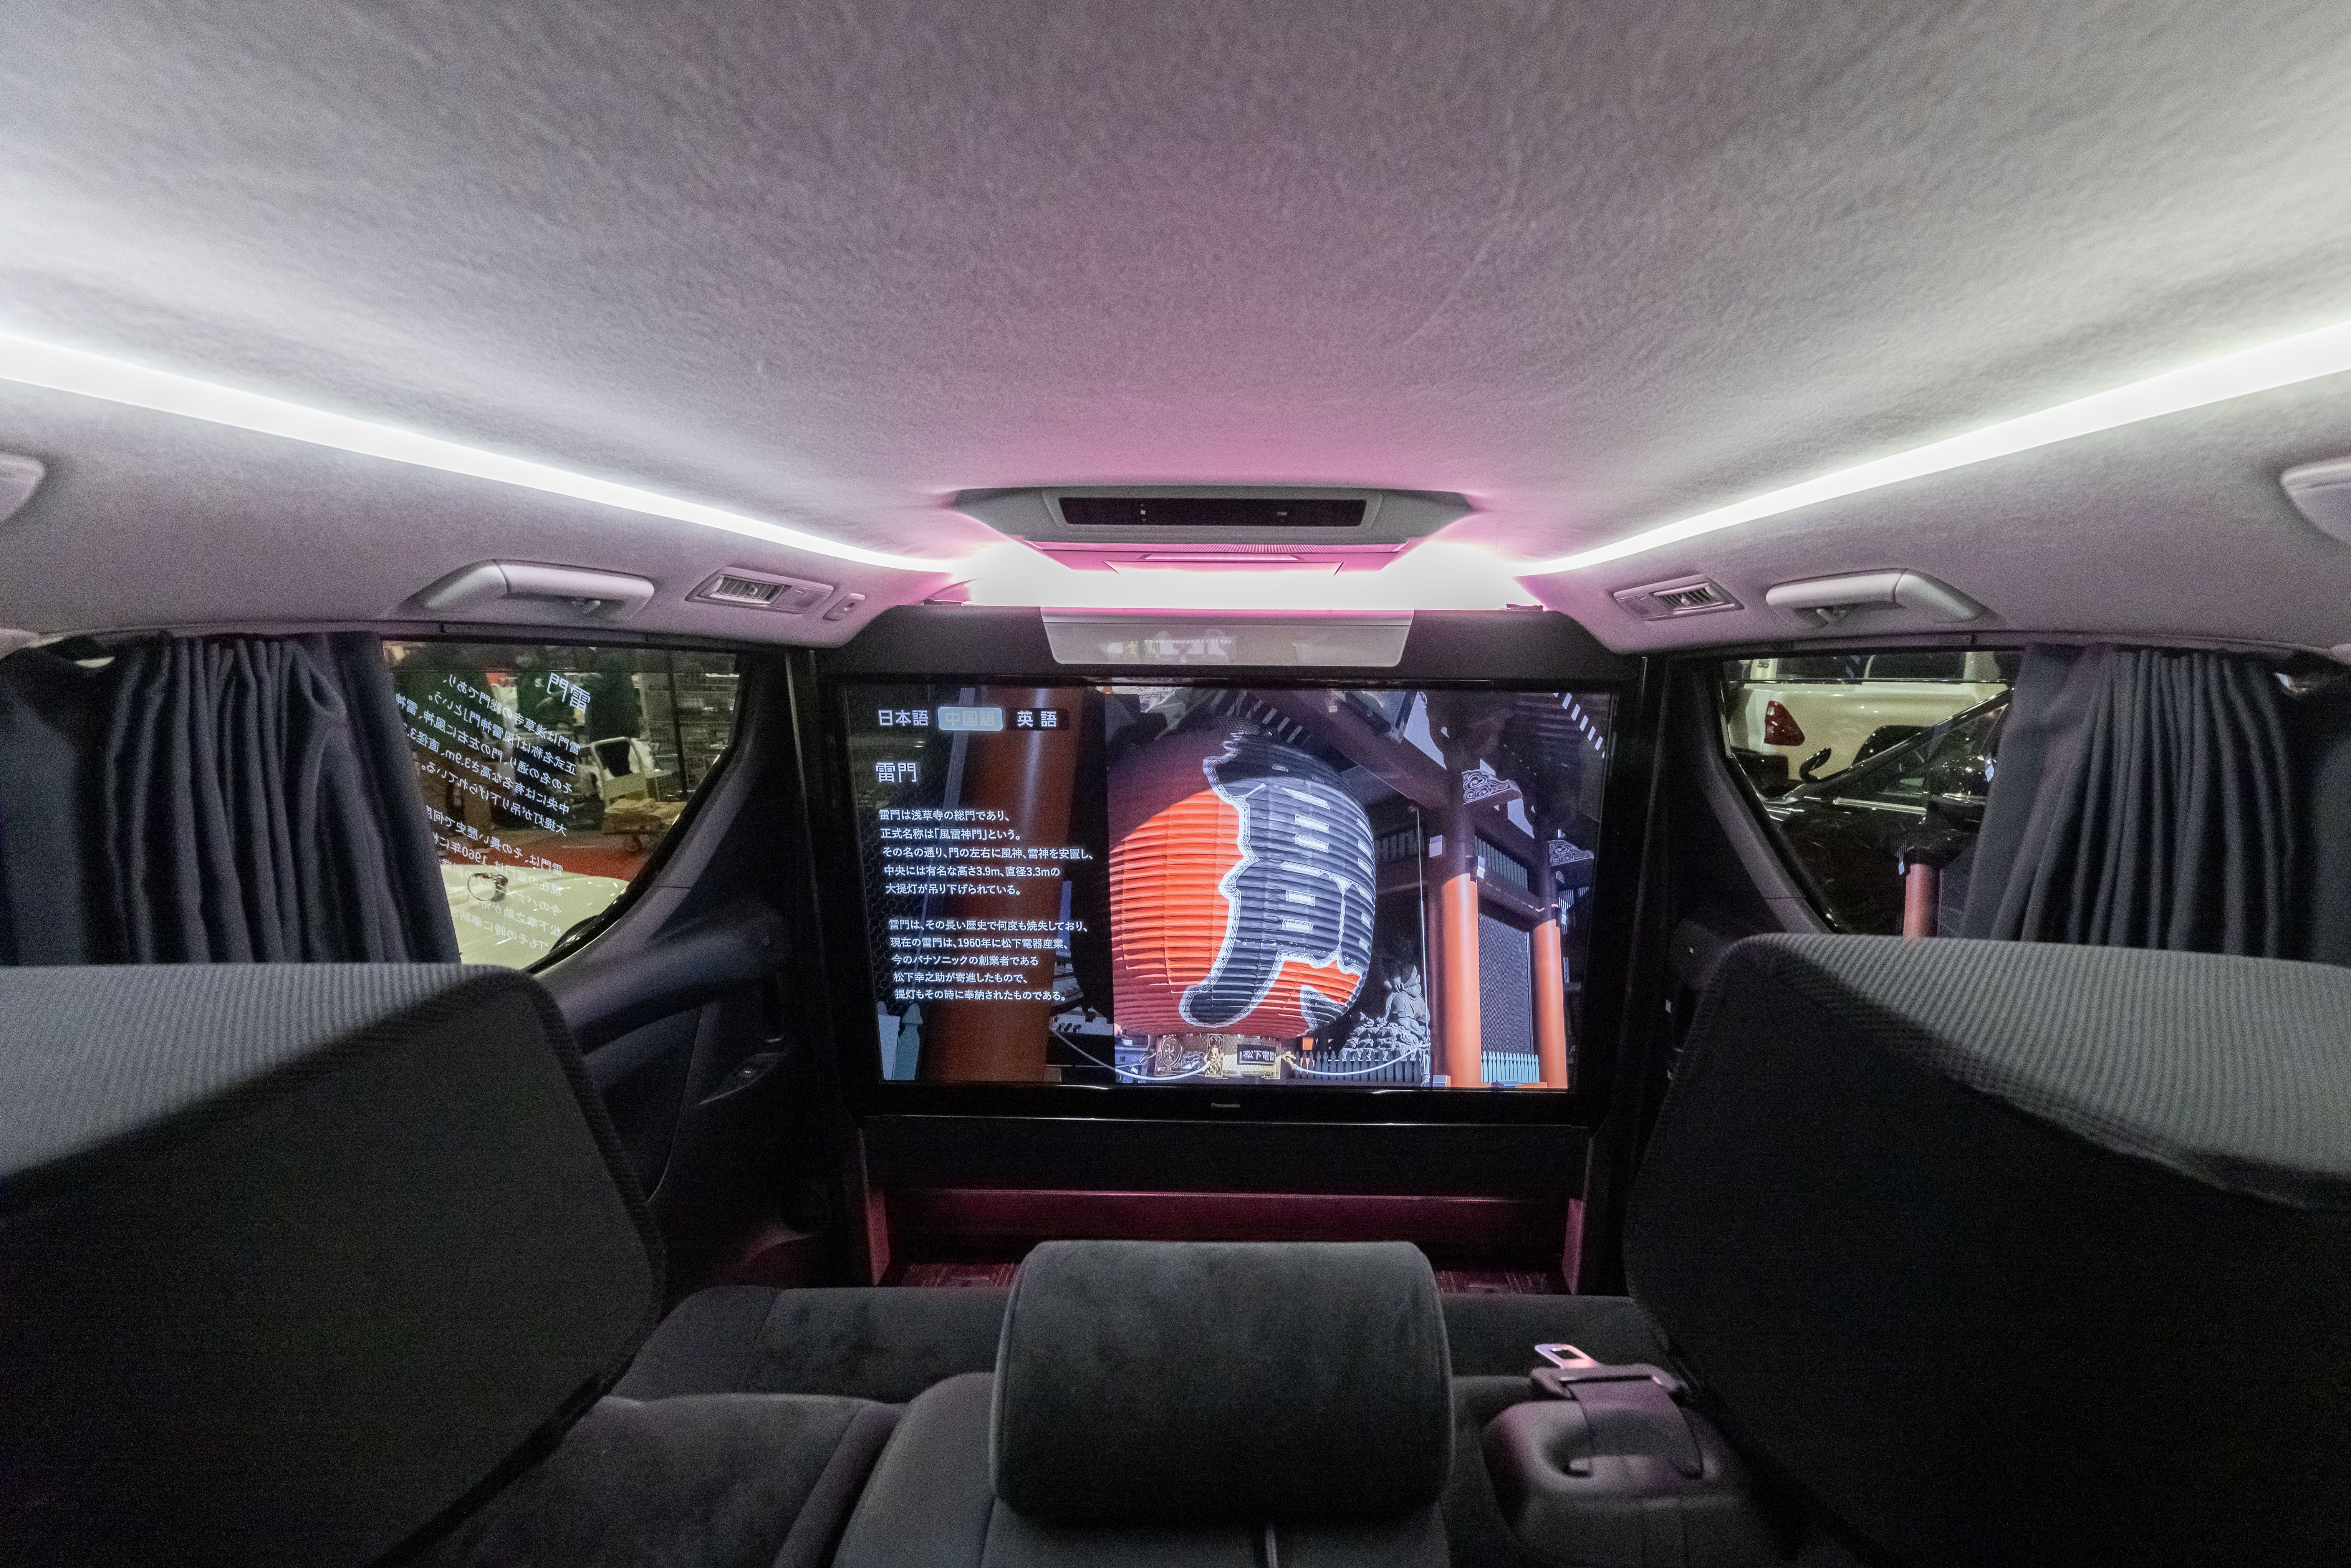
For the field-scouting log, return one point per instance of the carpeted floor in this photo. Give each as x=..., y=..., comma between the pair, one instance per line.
x=1497, y=1282
x=965, y=1276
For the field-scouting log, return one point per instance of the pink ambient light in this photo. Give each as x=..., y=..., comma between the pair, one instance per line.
x=1435, y=576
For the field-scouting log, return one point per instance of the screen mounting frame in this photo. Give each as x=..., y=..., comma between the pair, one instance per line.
x=1544, y=651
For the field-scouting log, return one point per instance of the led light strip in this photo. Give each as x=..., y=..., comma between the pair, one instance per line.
x=2324, y=352
x=92, y=375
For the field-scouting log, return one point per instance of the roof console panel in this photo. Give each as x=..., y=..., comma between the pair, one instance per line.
x=1209, y=528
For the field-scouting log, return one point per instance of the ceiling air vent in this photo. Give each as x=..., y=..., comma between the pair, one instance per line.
x=1212, y=511
x=1682, y=596
x=742, y=590
x=762, y=591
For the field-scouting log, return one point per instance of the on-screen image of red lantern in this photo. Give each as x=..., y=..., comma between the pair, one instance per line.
x=1242, y=880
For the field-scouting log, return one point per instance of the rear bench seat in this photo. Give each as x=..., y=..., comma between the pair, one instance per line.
x=1196, y=1403
x=890, y=1343
x=1981, y=1251
x=898, y=1345
x=300, y=1257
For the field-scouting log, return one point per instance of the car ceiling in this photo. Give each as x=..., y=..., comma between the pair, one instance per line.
x=1597, y=267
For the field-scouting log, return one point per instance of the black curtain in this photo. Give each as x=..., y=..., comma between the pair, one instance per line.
x=2141, y=797
x=52, y=853
x=2323, y=737
x=214, y=799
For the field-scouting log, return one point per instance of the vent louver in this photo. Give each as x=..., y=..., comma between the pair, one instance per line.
x=1702, y=597
x=1255, y=512
x=762, y=591
x=1682, y=596
x=742, y=590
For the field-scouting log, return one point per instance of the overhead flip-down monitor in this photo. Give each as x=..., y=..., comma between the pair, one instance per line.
x=1148, y=882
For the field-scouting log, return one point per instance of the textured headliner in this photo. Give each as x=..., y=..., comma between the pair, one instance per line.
x=1595, y=266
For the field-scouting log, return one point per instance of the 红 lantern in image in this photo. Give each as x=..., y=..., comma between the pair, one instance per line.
x=1241, y=884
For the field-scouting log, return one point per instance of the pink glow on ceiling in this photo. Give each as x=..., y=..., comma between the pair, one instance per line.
x=1436, y=575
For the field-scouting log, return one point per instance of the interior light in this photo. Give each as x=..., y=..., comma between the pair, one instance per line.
x=2324, y=352
x=1434, y=577
x=93, y=375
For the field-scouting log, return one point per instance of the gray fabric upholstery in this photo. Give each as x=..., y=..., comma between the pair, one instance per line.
x=872, y=1344
x=1187, y=1382
x=930, y=1499
x=722, y=1480
x=1417, y=1539
x=2019, y=1253
x=893, y=1344
x=890, y=1344
x=815, y=1534
x=930, y=1505
x=2235, y=1072
x=295, y=1257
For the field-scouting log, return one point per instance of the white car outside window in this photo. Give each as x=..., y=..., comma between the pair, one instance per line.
x=1820, y=712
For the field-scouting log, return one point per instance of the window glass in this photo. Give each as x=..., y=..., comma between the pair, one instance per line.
x=1811, y=667
x=1927, y=665
x=1873, y=770
x=550, y=771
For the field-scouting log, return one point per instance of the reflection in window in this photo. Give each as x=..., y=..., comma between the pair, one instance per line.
x=550, y=773
x=1874, y=768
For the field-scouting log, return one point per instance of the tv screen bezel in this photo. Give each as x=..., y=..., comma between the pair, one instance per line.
x=973, y=647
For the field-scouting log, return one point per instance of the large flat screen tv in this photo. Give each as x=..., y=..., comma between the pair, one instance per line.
x=1139, y=884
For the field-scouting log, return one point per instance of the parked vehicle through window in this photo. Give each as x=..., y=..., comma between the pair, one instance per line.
x=1891, y=757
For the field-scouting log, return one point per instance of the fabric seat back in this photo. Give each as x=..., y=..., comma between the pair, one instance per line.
x=295, y=1258
x=2019, y=1253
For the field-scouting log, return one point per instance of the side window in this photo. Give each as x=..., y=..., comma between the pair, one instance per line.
x=1874, y=768
x=550, y=771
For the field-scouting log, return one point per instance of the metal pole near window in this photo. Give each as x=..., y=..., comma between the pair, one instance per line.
x=677, y=728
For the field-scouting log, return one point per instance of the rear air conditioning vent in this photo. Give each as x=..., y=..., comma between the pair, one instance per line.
x=743, y=589
x=1682, y=596
x=1212, y=511
x=762, y=591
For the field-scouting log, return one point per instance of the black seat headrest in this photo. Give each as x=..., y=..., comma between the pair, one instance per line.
x=2019, y=1253
x=1191, y=1382
x=294, y=1258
